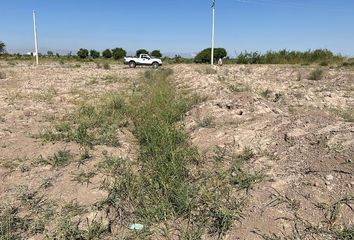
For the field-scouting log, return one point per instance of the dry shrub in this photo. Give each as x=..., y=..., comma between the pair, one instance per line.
x=2, y=75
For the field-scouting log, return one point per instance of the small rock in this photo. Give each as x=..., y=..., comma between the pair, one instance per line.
x=316, y=184
x=327, y=94
x=329, y=177
x=327, y=183
x=239, y=112
x=229, y=106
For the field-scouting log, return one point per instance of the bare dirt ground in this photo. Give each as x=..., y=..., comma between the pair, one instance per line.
x=301, y=131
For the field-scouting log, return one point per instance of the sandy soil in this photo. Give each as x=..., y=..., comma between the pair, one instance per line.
x=301, y=130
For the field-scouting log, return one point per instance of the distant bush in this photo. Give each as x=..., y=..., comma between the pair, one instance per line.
x=50, y=54
x=321, y=56
x=2, y=75
x=2, y=47
x=83, y=53
x=177, y=59
x=118, y=53
x=205, y=55
x=94, y=54
x=141, y=51
x=107, y=53
x=106, y=66
x=156, y=53
x=316, y=74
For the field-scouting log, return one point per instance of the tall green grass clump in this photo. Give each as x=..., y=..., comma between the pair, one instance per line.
x=164, y=150
x=161, y=185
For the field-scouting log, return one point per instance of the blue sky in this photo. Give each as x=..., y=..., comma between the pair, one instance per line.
x=179, y=26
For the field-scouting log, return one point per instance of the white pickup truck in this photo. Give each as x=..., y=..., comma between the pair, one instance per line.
x=143, y=59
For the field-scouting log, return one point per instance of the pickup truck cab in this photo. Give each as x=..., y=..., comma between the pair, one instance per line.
x=143, y=59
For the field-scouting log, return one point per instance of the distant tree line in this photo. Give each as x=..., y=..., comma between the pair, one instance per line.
x=116, y=53
x=321, y=56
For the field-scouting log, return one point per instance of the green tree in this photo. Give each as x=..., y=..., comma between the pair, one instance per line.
x=2, y=47
x=107, y=53
x=156, y=53
x=94, y=53
x=50, y=54
x=83, y=53
x=118, y=53
x=141, y=51
x=205, y=55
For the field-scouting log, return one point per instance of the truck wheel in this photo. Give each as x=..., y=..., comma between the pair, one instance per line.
x=155, y=65
x=132, y=64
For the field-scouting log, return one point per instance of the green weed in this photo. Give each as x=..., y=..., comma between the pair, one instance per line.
x=206, y=122
x=91, y=125
x=59, y=159
x=266, y=93
x=83, y=177
x=238, y=87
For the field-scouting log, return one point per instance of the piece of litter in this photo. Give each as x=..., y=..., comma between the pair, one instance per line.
x=136, y=226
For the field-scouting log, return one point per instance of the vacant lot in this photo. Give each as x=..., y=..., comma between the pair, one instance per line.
x=189, y=152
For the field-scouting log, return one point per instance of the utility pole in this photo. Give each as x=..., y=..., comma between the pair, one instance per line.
x=35, y=36
x=212, y=34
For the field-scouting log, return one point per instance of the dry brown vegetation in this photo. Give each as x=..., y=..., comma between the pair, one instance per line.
x=190, y=152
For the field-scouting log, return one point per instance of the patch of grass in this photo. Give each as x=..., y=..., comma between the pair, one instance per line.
x=316, y=74
x=67, y=228
x=46, y=95
x=278, y=97
x=303, y=229
x=91, y=125
x=47, y=182
x=84, y=157
x=11, y=224
x=278, y=199
x=14, y=96
x=241, y=178
x=59, y=159
x=206, y=122
x=114, y=79
x=266, y=93
x=83, y=177
x=106, y=66
x=220, y=153
x=160, y=186
x=207, y=70
x=91, y=82
x=346, y=234
x=238, y=87
x=2, y=75
x=346, y=114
